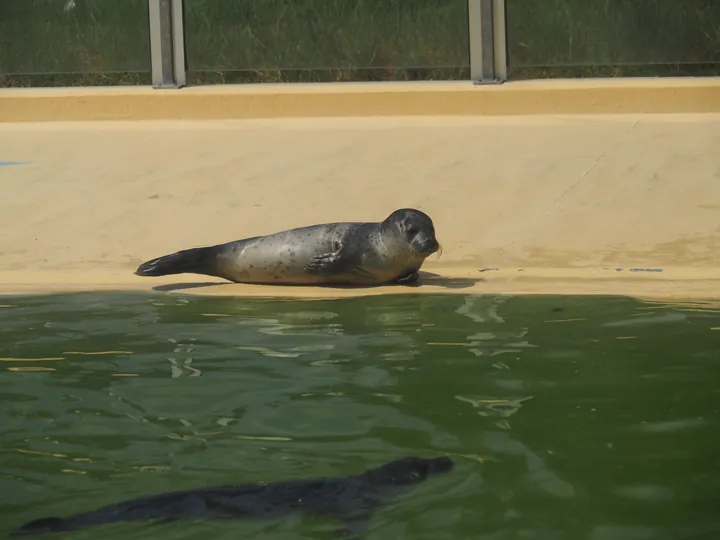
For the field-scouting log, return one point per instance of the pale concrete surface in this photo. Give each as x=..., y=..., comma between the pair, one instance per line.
x=459, y=98
x=555, y=203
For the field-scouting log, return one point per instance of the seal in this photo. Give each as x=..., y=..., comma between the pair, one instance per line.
x=373, y=253
x=353, y=500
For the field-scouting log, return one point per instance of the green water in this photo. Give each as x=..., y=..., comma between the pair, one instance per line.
x=568, y=417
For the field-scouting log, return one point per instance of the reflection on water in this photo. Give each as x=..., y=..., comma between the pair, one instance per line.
x=569, y=417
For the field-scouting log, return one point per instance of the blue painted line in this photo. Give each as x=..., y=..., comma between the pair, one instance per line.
x=5, y=163
x=646, y=269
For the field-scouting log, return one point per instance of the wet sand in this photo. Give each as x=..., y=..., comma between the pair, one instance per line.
x=605, y=204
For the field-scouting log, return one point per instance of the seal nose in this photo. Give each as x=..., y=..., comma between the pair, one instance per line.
x=431, y=245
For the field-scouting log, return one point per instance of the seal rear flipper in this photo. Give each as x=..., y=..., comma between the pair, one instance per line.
x=43, y=526
x=201, y=260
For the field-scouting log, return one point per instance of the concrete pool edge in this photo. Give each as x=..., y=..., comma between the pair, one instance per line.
x=294, y=100
x=676, y=285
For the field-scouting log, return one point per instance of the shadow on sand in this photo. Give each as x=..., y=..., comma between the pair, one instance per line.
x=426, y=278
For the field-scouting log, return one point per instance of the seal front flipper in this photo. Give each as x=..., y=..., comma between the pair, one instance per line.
x=355, y=525
x=327, y=263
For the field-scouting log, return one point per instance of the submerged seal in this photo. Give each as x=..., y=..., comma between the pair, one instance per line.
x=352, y=499
x=390, y=251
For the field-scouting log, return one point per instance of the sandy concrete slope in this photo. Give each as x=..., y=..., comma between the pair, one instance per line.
x=541, y=204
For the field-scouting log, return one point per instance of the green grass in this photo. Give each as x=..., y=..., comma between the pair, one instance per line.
x=41, y=37
x=47, y=43
x=613, y=37
x=326, y=40
x=346, y=34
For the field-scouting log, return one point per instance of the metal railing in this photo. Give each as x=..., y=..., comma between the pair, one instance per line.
x=488, y=41
x=167, y=43
x=486, y=31
x=173, y=43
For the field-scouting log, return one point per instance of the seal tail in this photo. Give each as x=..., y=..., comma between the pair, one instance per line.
x=201, y=260
x=43, y=526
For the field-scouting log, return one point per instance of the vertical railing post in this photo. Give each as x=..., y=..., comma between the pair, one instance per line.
x=488, y=41
x=167, y=43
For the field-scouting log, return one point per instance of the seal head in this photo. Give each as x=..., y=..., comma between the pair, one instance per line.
x=409, y=470
x=413, y=228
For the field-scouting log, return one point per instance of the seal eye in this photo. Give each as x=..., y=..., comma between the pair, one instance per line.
x=412, y=231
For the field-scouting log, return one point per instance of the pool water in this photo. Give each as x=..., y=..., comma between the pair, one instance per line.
x=568, y=417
